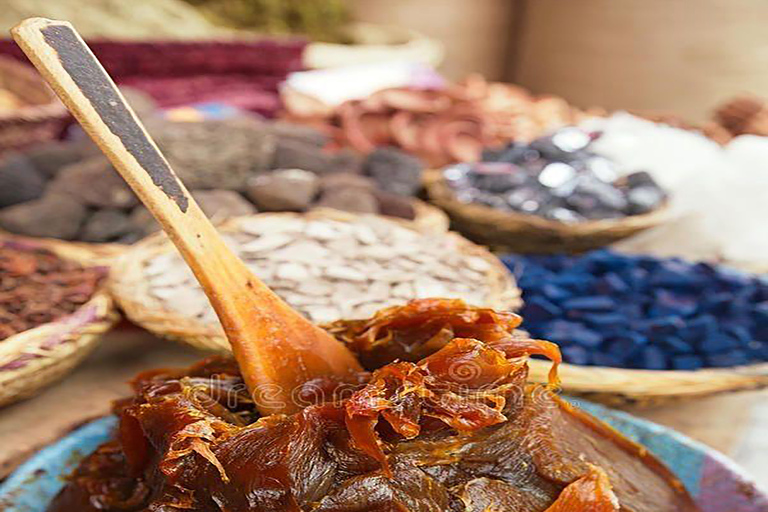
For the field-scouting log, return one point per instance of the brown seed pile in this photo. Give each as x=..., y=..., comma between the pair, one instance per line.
x=328, y=269
x=37, y=287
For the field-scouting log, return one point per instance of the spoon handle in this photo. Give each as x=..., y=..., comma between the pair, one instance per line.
x=276, y=348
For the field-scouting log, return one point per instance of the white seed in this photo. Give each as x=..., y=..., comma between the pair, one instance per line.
x=292, y=272
x=328, y=269
x=267, y=243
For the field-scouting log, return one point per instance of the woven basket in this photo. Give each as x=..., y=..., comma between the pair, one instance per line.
x=375, y=43
x=43, y=118
x=84, y=253
x=131, y=290
x=516, y=232
x=36, y=358
x=619, y=386
x=429, y=218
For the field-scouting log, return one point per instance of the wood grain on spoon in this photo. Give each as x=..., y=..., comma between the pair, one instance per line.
x=276, y=348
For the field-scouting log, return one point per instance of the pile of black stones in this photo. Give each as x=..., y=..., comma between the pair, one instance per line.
x=558, y=177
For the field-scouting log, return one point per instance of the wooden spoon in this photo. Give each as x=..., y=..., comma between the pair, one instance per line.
x=276, y=348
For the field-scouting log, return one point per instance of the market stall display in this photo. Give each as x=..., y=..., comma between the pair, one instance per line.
x=417, y=358
x=700, y=328
x=717, y=484
x=295, y=222
x=52, y=313
x=552, y=194
x=717, y=201
x=328, y=265
x=360, y=460
x=443, y=125
x=234, y=166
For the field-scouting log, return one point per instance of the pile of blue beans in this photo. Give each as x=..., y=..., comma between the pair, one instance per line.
x=609, y=309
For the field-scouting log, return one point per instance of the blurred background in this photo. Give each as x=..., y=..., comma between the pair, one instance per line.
x=679, y=57
x=618, y=149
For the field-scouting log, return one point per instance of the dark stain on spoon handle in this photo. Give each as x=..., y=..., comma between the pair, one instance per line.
x=102, y=93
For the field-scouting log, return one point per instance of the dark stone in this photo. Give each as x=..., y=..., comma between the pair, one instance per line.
x=350, y=200
x=605, y=320
x=394, y=205
x=652, y=358
x=696, y=329
x=587, y=338
x=676, y=344
x=54, y=215
x=394, y=171
x=94, y=182
x=592, y=197
x=283, y=190
x=298, y=132
x=606, y=359
x=347, y=161
x=728, y=359
x=562, y=145
x=639, y=179
x=611, y=283
x=668, y=303
x=52, y=156
x=20, y=181
x=105, y=225
x=559, y=214
x=215, y=153
x=644, y=200
x=575, y=354
x=717, y=342
x=497, y=177
x=525, y=200
x=687, y=362
x=142, y=223
x=539, y=309
x=293, y=154
x=555, y=293
x=590, y=303
x=339, y=180
x=690, y=317
x=222, y=204
x=626, y=346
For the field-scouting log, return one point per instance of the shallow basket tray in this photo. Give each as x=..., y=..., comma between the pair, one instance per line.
x=131, y=291
x=36, y=358
x=620, y=386
x=517, y=232
x=715, y=482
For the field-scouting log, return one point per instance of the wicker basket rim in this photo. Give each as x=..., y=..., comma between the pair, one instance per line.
x=647, y=385
x=85, y=253
x=59, y=345
x=101, y=299
x=439, y=191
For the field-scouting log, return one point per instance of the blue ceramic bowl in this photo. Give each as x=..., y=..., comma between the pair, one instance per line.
x=716, y=483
